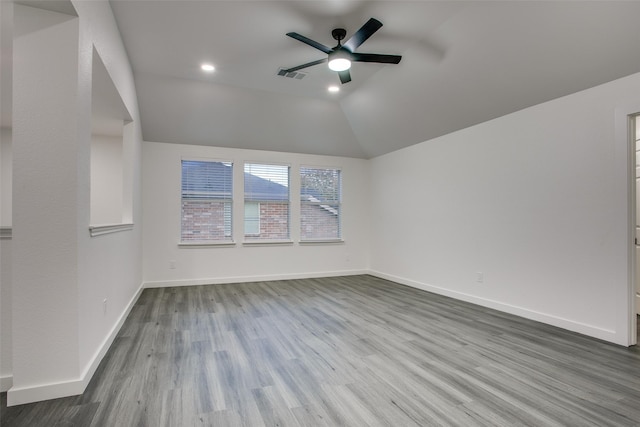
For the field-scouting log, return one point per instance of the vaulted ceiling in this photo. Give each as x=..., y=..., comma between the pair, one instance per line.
x=464, y=62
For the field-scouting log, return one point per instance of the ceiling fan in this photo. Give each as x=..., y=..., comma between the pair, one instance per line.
x=341, y=56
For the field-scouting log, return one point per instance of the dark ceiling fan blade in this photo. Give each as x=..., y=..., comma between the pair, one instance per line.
x=308, y=64
x=366, y=31
x=345, y=76
x=310, y=42
x=374, y=57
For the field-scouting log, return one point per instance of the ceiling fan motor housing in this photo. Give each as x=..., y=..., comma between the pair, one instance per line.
x=339, y=34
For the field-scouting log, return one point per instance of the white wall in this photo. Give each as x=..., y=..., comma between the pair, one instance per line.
x=536, y=201
x=6, y=52
x=6, y=376
x=5, y=260
x=44, y=263
x=6, y=177
x=61, y=275
x=106, y=179
x=161, y=219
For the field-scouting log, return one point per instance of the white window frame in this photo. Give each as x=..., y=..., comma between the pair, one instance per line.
x=228, y=216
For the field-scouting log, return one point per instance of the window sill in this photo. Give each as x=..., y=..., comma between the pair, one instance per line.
x=196, y=244
x=6, y=233
x=321, y=242
x=99, y=230
x=268, y=243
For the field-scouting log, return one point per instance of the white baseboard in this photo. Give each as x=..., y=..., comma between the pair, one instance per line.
x=6, y=382
x=246, y=279
x=590, y=330
x=22, y=395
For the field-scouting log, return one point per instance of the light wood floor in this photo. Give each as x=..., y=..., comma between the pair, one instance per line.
x=349, y=351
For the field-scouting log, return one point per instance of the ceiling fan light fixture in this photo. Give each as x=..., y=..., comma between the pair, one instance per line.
x=339, y=64
x=339, y=61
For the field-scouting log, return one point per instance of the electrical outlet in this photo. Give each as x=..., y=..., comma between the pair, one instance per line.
x=104, y=306
x=480, y=277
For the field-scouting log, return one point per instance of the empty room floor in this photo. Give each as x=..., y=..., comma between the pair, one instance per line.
x=346, y=351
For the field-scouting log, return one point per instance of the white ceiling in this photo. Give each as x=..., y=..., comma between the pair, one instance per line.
x=463, y=63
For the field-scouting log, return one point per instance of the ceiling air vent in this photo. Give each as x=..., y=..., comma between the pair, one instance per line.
x=292, y=75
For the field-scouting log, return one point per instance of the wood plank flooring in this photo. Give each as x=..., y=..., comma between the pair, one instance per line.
x=348, y=351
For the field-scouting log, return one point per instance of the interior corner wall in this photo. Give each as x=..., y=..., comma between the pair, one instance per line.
x=224, y=264
x=527, y=213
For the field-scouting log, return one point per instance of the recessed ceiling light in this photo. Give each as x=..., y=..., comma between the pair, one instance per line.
x=207, y=67
x=333, y=89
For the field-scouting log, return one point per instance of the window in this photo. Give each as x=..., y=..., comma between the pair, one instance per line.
x=207, y=199
x=320, y=203
x=266, y=201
